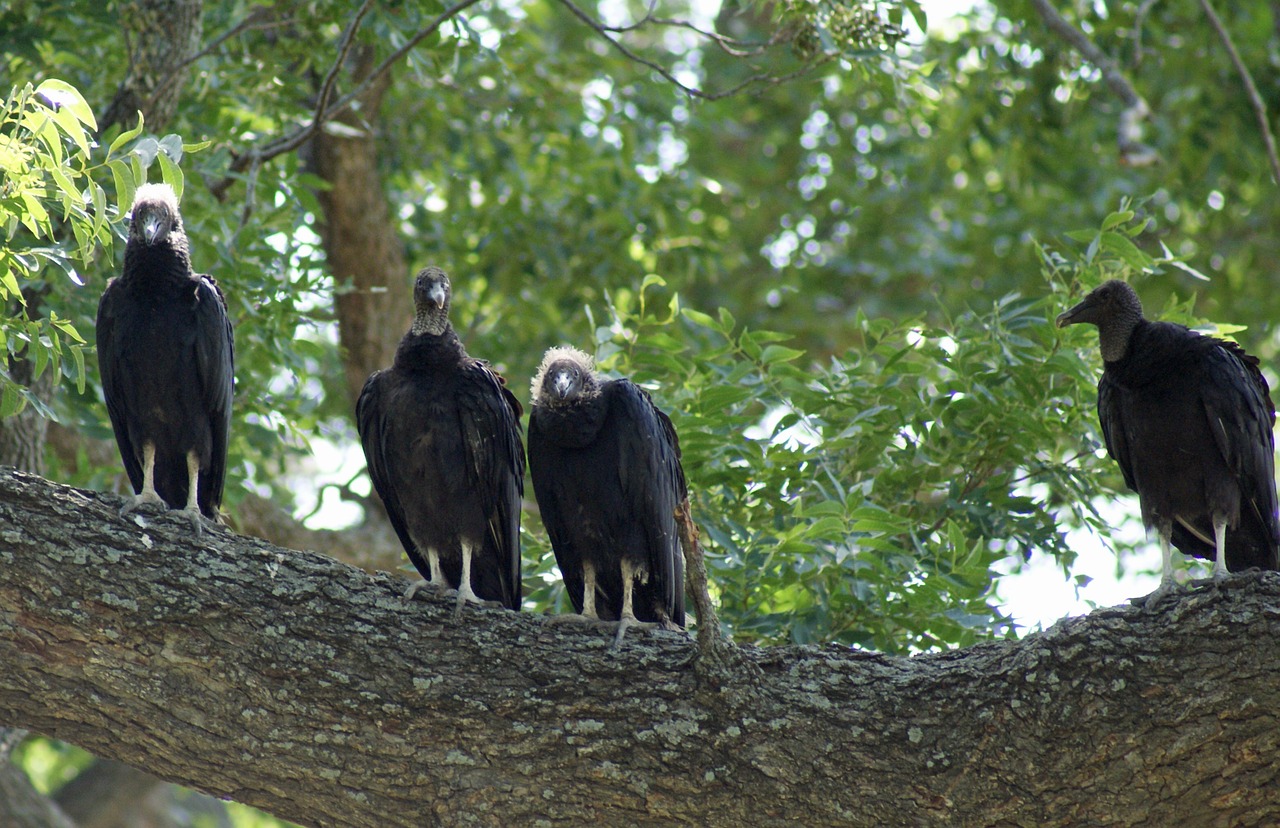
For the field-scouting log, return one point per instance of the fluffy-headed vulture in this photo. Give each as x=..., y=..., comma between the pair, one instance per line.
x=167, y=361
x=605, y=464
x=1188, y=418
x=441, y=436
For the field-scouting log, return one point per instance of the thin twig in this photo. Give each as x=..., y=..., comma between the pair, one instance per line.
x=1136, y=110
x=344, y=49
x=692, y=91
x=299, y=136
x=1101, y=60
x=1259, y=108
x=251, y=21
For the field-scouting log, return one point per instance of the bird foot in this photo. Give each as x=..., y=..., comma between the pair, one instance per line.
x=1157, y=595
x=197, y=519
x=629, y=622
x=420, y=584
x=466, y=596
x=146, y=498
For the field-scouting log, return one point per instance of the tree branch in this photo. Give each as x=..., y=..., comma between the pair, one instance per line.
x=1132, y=150
x=325, y=112
x=1251, y=89
x=300, y=685
x=761, y=79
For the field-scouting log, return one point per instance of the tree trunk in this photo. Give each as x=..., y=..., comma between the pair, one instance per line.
x=310, y=689
x=360, y=237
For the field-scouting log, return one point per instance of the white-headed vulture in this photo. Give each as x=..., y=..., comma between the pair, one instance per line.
x=1189, y=420
x=605, y=464
x=441, y=436
x=166, y=356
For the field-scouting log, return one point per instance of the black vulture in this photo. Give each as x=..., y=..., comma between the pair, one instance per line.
x=441, y=436
x=1189, y=419
x=605, y=464
x=167, y=360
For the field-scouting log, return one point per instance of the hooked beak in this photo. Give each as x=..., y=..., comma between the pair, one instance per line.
x=1075, y=314
x=437, y=294
x=562, y=383
x=152, y=225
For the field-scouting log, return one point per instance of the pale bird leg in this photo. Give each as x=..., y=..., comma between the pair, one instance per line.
x=1166, y=567
x=1220, y=544
x=628, y=618
x=193, y=499
x=589, y=590
x=464, y=588
x=148, y=493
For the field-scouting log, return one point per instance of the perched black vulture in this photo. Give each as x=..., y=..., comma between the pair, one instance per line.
x=605, y=464
x=441, y=435
x=1188, y=418
x=167, y=361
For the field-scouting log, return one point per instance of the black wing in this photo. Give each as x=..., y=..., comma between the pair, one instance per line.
x=1241, y=417
x=215, y=370
x=1111, y=418
x=653, y=485
x=546, y=463
x=111, y=369
x=371, y=413
x=491, y=421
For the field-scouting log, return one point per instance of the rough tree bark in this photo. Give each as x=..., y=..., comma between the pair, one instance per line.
x=360, y=238
x=310, y=689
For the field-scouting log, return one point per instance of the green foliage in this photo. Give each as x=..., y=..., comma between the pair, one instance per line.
x=867, y=499
x=45, y=184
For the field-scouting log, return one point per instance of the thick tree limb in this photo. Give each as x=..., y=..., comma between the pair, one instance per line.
x=308, y=688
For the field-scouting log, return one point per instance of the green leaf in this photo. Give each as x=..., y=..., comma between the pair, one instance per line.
x=11, y=401
x=125, y=137
x=62, y=95
x=125, y=185
x=1127, y=251
x=1117, y=218
x=77, y=355
x=171, y=145
x=171, y=174
x=779, y=353
x=699, y=318
x=146, y=151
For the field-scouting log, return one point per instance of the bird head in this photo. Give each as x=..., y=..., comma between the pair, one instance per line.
x=154, y=217
x=566, y=374
x=431, y=293
x=1114, y=307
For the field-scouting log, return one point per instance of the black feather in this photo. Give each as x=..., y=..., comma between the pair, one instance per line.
x=605, y=464
x=1189, y=420
x=167, y=357
x=441, y=437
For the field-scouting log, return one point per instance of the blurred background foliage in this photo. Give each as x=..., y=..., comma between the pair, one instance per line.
x=840, y=286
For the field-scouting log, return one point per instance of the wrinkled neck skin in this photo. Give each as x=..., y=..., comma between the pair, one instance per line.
x=1114, y=334
x=430, y=319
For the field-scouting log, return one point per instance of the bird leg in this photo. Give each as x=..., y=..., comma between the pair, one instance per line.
x=628, y=618
x=589, y=614
x=1165, y=531
x=1220, y=546
x=589, y=590
x=465, y=594
x=148, y=493
x=437, y=581
x=193, y=501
